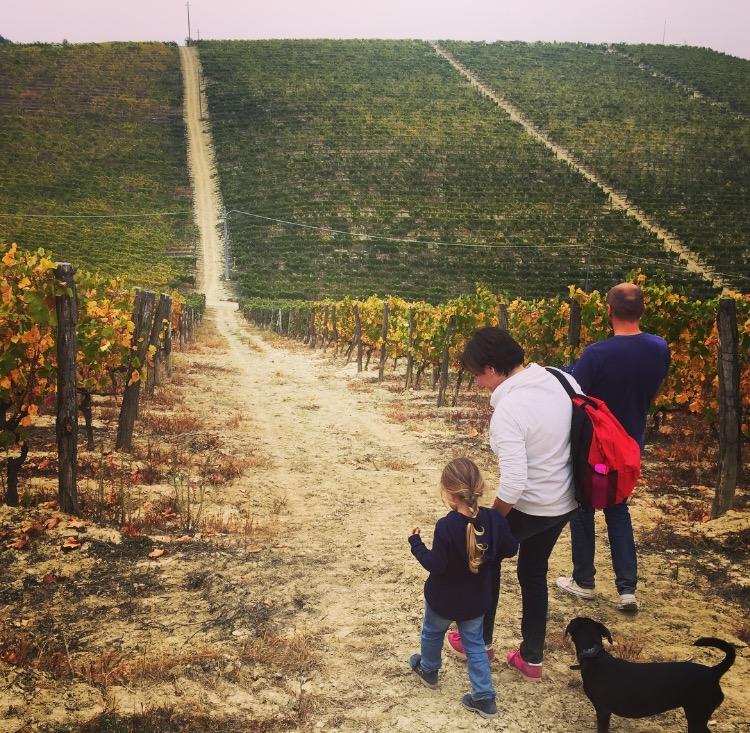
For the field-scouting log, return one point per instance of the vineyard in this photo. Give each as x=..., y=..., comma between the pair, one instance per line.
x=112, y=355
x=385, y=138
x=431, y=337
x=239, y=561
x=684, y=162
x=721, y=78
x=91, y=133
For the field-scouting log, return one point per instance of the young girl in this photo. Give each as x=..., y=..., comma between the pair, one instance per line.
x=467, y=547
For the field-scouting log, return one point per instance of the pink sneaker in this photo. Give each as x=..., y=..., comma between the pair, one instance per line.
x=454, y=644
x=530, y=672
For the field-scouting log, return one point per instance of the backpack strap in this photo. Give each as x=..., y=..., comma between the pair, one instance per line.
x=567, y=386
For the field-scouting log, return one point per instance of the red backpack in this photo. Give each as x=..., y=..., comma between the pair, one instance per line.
x=606, y=460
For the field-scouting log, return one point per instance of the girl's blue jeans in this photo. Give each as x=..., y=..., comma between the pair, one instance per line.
x=433, y=634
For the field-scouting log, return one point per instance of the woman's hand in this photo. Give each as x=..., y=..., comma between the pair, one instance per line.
x=415, y=531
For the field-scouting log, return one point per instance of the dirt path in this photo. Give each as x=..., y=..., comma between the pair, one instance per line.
x=671, y=243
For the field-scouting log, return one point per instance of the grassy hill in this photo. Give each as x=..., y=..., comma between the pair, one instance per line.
x=385, y=137
x=684, y=161
x=97, y=129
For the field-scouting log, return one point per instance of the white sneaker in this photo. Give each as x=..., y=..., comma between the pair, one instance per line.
x=570, y=586
x=627, y=603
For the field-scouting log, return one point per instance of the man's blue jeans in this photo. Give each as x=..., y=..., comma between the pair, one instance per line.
x=433, y=633
x=621, y=545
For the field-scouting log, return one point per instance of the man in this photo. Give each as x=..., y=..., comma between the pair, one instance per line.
x=625, y=371
x=530, y=434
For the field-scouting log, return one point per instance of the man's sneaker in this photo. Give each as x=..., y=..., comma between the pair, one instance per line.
x=570, y=586
x=627, y=603
x=429, y=679
x=530, y=672
x=486, y=708
x=454, y=644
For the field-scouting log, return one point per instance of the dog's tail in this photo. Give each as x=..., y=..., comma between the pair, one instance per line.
x=725, y=646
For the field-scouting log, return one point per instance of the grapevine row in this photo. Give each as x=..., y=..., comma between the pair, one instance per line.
x=107, y=358
x=424, y=334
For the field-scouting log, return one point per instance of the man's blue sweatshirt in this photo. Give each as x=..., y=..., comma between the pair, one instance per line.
x=452, y=590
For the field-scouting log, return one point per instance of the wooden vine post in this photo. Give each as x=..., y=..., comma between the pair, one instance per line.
x=142, y=318
x=444, y=363
x=335, y=332
x=383, y=342
x=574, y=332
x=325, y=338
x=313, y=332
x=66, y=424
x=502, y=316
x=729, y=408
x=358, y=337
x=163, y=312
x=410, y=353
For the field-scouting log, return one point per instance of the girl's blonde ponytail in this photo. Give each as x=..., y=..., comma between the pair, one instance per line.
x=461, y=479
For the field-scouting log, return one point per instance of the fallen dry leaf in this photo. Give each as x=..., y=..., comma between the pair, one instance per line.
x=52, y=522
x=254, y=549
x=77, y=524
x=18, y=544
x=48, y=505
x=247, y=577
x=71, y=543
x=32, y=528
x=49, y=579
x=182, y=540
x=156, y=553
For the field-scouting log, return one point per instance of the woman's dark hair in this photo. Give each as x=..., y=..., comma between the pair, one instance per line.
x=491, y=347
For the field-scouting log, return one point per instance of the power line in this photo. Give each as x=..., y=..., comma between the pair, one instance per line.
x=381, y=237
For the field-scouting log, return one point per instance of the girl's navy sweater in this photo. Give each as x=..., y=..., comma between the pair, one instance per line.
x=452, y=590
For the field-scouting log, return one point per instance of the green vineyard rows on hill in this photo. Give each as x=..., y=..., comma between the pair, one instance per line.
x=386, y=137
x=686, y=163
x=722, y=78
x=97, y=129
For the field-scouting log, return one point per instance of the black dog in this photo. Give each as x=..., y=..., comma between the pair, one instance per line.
x=632, y=690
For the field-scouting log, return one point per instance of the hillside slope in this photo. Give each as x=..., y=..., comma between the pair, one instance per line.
x=97, y=129
x=682, y=161
x=385, y=138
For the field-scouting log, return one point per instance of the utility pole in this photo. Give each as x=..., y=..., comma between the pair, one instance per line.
x=187, y=5
x=226, y=244
x=664, y=32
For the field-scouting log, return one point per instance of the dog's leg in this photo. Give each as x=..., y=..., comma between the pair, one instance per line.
x=602, y=720
x=699, y=712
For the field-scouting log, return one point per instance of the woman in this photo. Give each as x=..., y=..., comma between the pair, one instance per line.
x=530, y=434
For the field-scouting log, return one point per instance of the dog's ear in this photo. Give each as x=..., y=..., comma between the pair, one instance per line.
x=569, y=629
x=604, y=631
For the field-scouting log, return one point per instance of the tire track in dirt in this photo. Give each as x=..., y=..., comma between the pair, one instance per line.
x=354, y=485
x=691, y=260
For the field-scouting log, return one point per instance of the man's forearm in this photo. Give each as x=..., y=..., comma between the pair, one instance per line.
x=502, y=506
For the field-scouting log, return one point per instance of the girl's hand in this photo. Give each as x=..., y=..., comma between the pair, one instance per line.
x=415, y=531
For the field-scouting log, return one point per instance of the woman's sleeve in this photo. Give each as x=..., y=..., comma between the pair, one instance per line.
x=436, y=559
x=509, y=443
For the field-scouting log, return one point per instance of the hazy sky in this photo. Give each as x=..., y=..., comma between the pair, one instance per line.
x=720, y=24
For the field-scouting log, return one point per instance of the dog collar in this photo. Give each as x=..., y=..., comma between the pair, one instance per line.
x=590, y=652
